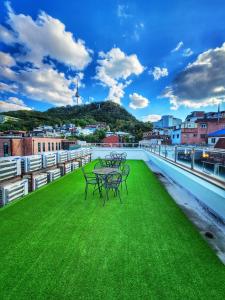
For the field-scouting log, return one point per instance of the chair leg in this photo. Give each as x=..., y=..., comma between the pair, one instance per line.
x=118, y=192
x=86, y=190
x=126, y=186
x=107, y=194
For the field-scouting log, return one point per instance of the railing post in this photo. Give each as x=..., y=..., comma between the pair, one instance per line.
x=159, y=149
x=165, y=152
x=192, y=158
x=175, y=154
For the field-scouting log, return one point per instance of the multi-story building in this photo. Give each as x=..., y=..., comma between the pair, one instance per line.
x=196, y=132
x=206, y=126
x=215, y=136
x=167, y=121
x=194, y=116
x=20, y=146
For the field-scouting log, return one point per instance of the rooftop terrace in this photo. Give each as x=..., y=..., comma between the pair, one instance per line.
x=56, y=245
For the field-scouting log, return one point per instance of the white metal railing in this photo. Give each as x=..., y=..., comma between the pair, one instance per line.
x=208, y=161
x=112, y=145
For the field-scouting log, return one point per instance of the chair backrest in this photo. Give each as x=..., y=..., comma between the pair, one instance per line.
x=114, y=178
x=85, y=175
x=102, y=162
x=124, y=155
x=125, y=171
x=113, y=154
x=98, y=165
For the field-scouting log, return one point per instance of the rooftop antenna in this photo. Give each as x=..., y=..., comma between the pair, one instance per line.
x=77, y=92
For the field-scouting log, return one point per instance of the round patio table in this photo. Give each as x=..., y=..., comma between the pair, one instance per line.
x=104, y=171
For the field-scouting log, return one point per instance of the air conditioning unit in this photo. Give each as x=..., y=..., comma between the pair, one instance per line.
x=53, y=174
x=61, y=156
x=73, y=154
x=31, y=163
x=48, y=159
x=39, y=180
x=12, y=191
x=67, y=168
x=75, y=165
x=9, y=167
x=83, y=162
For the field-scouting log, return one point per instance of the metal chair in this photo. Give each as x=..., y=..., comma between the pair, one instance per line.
x=100, y=164
x=91, y=179
x=112, y=182
x=125, y=173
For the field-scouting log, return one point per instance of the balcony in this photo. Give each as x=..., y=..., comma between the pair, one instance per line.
x=56, y=245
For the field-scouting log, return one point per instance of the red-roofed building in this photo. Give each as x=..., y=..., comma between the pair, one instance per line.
x=111, y=141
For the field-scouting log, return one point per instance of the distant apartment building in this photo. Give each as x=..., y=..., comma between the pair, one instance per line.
x=167, y=121
x=216, y=136
x=112, y=139
x=19, y=146
x=197, y=132
x=156, y=137
x=194, y=116
x=207, y=126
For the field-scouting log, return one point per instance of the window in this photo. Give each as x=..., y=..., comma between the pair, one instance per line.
x=202, y=136
x=56, y=146
x=59, y=146
x=213, y=140
x=173, y=136
x=6, y=149
x=53, y=147
x=49, y=146
x=43, y=147
x=195, y=134
x=178, y=136
x=203, y=125
x=39, y=147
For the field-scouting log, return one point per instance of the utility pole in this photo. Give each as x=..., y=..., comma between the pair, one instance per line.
x=218, y=113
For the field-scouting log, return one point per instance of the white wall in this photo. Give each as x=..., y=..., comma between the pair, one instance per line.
x=176, y=140
x=132, y=153
x=210, y=195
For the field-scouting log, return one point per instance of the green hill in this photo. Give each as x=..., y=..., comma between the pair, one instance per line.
x=111, y=113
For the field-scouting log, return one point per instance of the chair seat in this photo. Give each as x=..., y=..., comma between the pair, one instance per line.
x=92, y=181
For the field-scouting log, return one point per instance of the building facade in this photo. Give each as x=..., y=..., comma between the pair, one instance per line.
x=20, y=146
x=167, y=121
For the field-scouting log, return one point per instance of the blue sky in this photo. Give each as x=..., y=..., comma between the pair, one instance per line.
x=152, y=57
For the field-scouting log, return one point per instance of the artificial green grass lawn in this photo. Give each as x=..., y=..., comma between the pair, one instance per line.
x=56, y=245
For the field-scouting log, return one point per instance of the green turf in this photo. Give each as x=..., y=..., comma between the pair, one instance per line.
x=55, y=245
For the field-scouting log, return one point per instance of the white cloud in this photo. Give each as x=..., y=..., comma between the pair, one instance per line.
x=138, y=28
x=4, y=87
x=187, y=52
x=151, y=118
x=138, y=101
x=6, y=36
x=201, y=83
x=41, y=38
x=43, y=84
x=6, y=59
x=113, y=70
x=46, y=36
x=158, y=72
x=12, y=104
x=122, y=11
x=178, y=47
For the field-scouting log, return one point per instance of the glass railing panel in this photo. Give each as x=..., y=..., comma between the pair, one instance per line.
x=184, y=156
